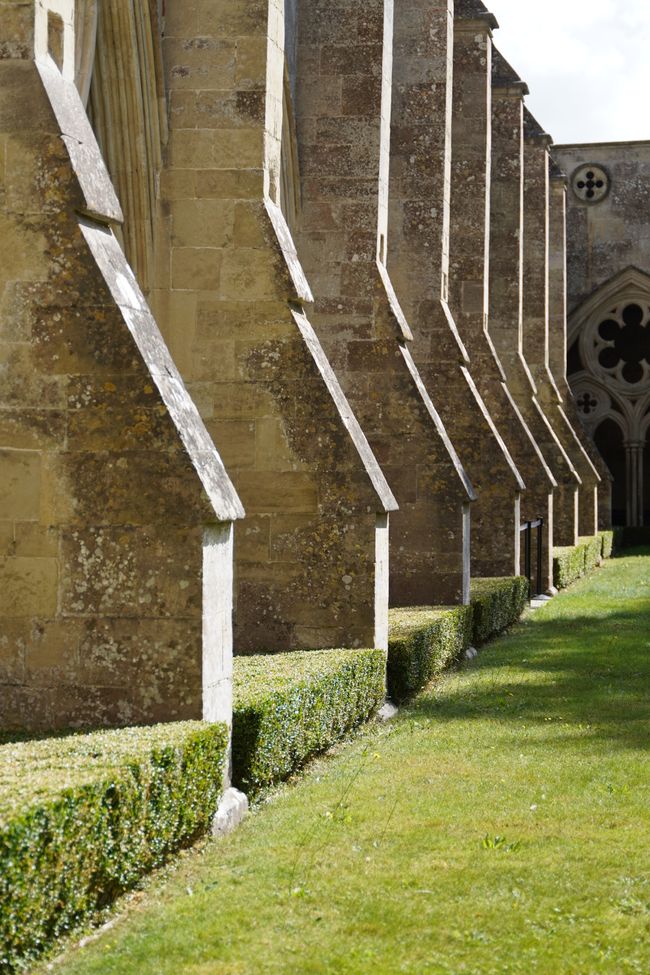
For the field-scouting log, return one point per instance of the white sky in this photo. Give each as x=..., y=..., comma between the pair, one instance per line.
x=586, y=62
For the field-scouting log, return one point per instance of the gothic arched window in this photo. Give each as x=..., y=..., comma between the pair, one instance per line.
x=610, y=355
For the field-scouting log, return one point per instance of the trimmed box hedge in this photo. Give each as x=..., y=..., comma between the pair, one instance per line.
x=606, y=544
x=571, y=562
x=496, y=604
x=593, y=547
x=290, y=706
x=423, y=642
x=568, y=565
x=82, y=817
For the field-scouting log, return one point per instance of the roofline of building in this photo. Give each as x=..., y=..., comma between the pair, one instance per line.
x=601, y=145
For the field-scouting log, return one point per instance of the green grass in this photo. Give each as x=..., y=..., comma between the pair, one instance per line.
x=499, y=825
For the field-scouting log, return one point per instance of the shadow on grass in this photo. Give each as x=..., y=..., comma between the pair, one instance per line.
x=583, y=670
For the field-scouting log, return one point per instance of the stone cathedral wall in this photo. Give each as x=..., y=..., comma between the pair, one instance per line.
x=332, y=296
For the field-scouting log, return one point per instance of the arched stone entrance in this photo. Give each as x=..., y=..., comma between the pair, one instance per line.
x=609, y=373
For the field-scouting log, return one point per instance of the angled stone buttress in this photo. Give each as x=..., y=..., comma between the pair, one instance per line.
x=117, y=512
x=536, y=298
x=312, y=556
x=343, y=98
x=469, y=281
x=507, y=273
x=419, y=224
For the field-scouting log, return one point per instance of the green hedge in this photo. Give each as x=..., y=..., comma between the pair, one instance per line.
x=496, y=604
x=422, y=643
x=593, y=547
x=606, y=544
x=571, y=562
x=290, y=706
x=568, y=565
x=82, y=817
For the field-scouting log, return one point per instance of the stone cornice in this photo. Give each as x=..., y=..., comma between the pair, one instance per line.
x=505, y=80
x=534, y=134
x=473, y=14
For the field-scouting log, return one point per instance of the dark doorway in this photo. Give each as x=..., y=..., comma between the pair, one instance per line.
x=609, y=440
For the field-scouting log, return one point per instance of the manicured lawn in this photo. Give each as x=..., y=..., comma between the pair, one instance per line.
x=500, y=824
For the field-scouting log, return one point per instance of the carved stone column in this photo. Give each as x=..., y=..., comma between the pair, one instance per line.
x=634, y=450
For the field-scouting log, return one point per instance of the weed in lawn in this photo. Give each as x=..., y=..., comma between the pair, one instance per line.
x=500, y=843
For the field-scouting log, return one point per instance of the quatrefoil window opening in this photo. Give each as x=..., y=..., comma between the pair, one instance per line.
x=586, y=403
x=590, y=183
x=621, y=344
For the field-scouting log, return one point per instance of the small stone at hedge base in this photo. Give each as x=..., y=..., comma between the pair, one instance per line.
x=387, y=711
x=231, y=812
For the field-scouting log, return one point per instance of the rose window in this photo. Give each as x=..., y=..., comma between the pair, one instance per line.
x=590, y=183
x=619, y=345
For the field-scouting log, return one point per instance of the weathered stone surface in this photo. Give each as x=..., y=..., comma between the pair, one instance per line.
x=508, y=250
x=232, y=811
x=108, y=474
x=608, y=264
x=98, y=194
x=537, y=240
x=471, y=242
x=420, y=213
x=306, y=566
x=342, y=234
x=418, y=377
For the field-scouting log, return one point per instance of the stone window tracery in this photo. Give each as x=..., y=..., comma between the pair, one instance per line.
x=617, y=345
x=610, y=380
x=586, y=403
x=590, y=183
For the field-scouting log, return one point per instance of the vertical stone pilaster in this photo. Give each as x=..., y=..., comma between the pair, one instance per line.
x=343, y=110
x=557, y=300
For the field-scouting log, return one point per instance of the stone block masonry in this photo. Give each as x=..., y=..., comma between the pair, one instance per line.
x=470, y=242
x=608, y=280
x=230, y=295
x=507, y=295
x=589, y=514
x=110, y=479
x=342, y=239
x=306, y=254
x=537, y=240
x=418, y=260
